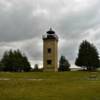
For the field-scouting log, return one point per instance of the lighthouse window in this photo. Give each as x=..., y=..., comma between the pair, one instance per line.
x=49, y=50
x=49, y=62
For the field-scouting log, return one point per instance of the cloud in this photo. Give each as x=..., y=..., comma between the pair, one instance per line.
x=23, y=22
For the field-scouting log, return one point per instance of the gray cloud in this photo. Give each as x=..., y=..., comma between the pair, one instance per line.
x=22, y=23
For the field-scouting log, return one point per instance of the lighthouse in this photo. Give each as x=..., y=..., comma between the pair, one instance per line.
x=50, y=51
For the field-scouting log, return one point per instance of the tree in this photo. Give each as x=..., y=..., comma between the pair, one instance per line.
x=1, y=66
x=63, y=64
x=15, y=61
x=88, y=56
x=36, y=67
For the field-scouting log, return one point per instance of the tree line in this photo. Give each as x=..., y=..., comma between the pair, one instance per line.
x=14, y=61
x=87, y=59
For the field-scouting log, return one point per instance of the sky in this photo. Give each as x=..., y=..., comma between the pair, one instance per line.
x=23, y=22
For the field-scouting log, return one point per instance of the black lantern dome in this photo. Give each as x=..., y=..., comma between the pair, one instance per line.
x=50, y=31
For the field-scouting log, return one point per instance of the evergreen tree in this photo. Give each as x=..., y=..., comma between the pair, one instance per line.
x=36, y=67
x=63, y=64
x=15, y=61
x=1, y=66
x=88, y=56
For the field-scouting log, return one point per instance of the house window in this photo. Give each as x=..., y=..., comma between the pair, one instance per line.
x=49, y=50
x=49, y=62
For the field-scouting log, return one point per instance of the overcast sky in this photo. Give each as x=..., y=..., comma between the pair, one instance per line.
x=23, y=22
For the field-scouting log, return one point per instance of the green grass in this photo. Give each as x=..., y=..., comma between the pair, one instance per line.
x=50, y=86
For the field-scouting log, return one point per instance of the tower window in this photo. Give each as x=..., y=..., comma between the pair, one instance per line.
x=49, y=62
x=49, y=50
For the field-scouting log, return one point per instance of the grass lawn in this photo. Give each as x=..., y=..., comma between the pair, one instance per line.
x=50, y=86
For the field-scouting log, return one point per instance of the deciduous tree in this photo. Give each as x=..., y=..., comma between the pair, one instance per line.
x=88, y=56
